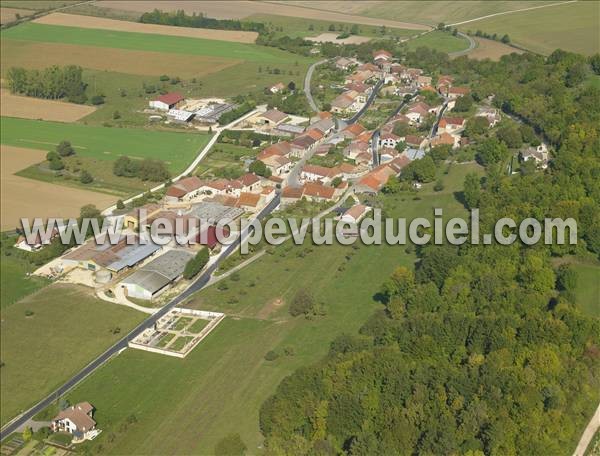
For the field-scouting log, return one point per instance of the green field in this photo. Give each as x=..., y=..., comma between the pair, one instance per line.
x=14, y=284
x=440, y=41
x=67, y=329
x=572, y=27
x=588, y=288
x=185, y=406
x=225, y=156
x=175, y=149
x=145, y=42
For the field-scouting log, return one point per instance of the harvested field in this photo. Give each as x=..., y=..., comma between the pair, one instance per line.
x=21, y=197
x=32, y=54
x=37, y=108
x=72, y=20
x=10, y=14
x=242, y=9
x=332, y=38
x=490, y=49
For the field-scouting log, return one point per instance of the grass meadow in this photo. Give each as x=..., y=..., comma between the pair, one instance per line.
x=186, y=406
x=105, y=144
x=67, y=329
x=440, y=41
x=14, y=283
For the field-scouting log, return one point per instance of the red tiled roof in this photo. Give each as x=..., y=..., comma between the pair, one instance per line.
x=248, y=199
x=314, y=189
x=170, y=98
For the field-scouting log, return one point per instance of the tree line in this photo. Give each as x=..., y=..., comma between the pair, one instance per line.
x=179, y=18
x=146, y=169
x=53, y=82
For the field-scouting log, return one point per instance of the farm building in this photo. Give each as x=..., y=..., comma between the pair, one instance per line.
x=166, y=101
x=152, y=279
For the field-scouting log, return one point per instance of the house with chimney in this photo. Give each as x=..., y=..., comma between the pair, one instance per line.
x=76, y=420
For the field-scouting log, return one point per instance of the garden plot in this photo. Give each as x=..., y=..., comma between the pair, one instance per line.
x=178, y=332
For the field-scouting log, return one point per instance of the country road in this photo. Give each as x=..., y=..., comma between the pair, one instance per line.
x=588, y=434
x=307, y=89
x=472, y=45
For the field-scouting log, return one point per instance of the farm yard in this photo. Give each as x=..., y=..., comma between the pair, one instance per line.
x=72, y=20
x=54, y=333
x=239, y=379
x=21, y=197
x=37, y=108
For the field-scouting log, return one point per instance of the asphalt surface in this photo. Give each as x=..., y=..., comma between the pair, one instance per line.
x=357, y=116
x=197, y=285
x=307, y=90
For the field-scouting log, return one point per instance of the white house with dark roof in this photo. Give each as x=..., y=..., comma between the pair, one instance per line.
x=76, y=420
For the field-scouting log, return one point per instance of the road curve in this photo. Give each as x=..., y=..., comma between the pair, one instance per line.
x=588, y=434
x=307, y=90
x=472, y=45
x=116, y=348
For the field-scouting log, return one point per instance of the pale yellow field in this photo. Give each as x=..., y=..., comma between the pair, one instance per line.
x=10, y=14
x=239, y=9
x=73, y=20
x=490, y=49
x=332, y=38
x=31, y=54
x=37, y=108
x=21, y=197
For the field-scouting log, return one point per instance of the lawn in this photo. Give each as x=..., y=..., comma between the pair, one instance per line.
x=165, y=339
x=588, y=288
x=440, y=41
x=225, y=158
x=145, y=42
x=14, y=284
x=185, y=406
x=572, y=27
x=198, y=326
x=177, y=150
x=67, y=329
x=180, y=342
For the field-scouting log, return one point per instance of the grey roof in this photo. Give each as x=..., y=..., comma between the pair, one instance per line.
x=414, y=154
x=160, y=271
x=171, y=264
x=290, y=128
x=215, y=211
x=133, y=254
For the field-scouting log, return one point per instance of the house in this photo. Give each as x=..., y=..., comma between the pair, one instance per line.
x=248, y=201
x=290, y=195
x=250, y=183
x=343, y=63
x=325, y=125
x=368, y=67
x=40, y=240
x=451, y=124
x=315, y=134
x=76, y=420
x=360, y=76
x=149, y=281
x=387, y=154
x=374, y=181
x=491, y=114
x=166, y=101
x=281, y=148
x=277, y=164
x=382, y=54
x=355, y=213
x=301, y=145
x=444, y=82
x=323, y=149
x=423, y=81
x=349, y=101
x=455, y=92
x=445, y=139
x=208, y=237
x=355, y=148
x=272, y=117
x=539, y=154
x=317, y=173
x=414, y=154
x=363, y=90
x=184, y=189
x=389, y=140
x=352, y=131
x=414, y=141
x=314, y=191
x=417, y=112
x=279, y=87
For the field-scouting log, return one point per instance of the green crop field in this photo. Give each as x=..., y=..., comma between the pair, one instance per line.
x=440, y=41
x=176, y=149
x=588, y=288
x=572, y=27
x=222, y=383
x=67, y=329
x=145, y=42
x=14, y=284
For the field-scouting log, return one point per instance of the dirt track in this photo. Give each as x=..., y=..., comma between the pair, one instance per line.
x=37, y=108
x=239, y=9
x=23, y=197
x=73, y=20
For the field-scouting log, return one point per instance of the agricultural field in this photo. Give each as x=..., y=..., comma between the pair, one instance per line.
x=48, y=336
x=440, y=41
x=490, y=49
x=21, y=196
x=98, y=23
x=177, y=150
x=423, y=12
x=222, y=383
x=14, y=282
x=572, y=27
x=37, y=108
x=236, y=9
x=11, y=14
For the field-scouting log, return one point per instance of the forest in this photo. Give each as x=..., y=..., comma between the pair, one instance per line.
x=480, y=349
x=181, y=19
x=53, y=82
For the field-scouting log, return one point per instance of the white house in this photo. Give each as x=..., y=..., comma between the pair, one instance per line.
x=76, y=420
x=166, y=101
x=356, y=213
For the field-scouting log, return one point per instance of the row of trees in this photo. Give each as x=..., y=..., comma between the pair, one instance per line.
x=53, y=82
x=181, y=19
x=146, y=170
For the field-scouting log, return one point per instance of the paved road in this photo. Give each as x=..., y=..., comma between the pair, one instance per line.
x=195, y=286
x=472, y=45
x=370, y=100
x=307, y=90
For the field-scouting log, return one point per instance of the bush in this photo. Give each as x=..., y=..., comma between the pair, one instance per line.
x=271, y=355
x=231, y=445
x=302, y=303
x=64, y=149
x=97, y=100
x=29, y=313
x=86, y=177
x=195, y=265
x=120, y=204
x=116, y=115
x=164, y=78
x=439, y=186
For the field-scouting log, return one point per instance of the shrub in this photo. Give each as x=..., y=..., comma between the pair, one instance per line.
x=195, y=265
x=85, y=177
x=271, y=355
x=302, y=303
x=97, y=100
